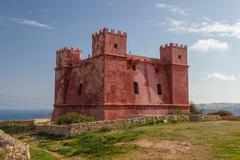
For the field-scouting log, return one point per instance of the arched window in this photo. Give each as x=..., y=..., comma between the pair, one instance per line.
x=159, y=89
x=80, y=89
x=135, y=87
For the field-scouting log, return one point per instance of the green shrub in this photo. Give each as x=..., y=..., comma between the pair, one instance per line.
x=177, y=112
x=70, y=118
x=17, y=129
x=193, y=109
x=221, y=113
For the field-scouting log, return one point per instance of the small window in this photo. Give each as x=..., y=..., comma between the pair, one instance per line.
x=80, y=89
x=134, y=67
x=116, y=46
x=135, y=87
x=159, y=89
x=179, y=57
x=156, y=70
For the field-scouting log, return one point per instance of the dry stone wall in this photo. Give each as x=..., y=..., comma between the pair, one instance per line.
x=201, y=118
x=14, y=149
x=75, y=129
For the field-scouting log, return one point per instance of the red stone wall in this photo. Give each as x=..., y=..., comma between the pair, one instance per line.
x=120, y=76
x=179, y=84
x=91, y=110
x=90, y=74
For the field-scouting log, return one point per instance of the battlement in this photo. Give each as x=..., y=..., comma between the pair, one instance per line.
x=175, y=45
x=68, y=57
x=72, y=50
x=109, y=31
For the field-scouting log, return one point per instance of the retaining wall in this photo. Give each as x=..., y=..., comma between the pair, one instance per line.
x=75, y=129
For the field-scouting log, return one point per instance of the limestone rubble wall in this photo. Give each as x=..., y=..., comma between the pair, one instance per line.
x=75, y=129
x=201, y=118
x=14, y=149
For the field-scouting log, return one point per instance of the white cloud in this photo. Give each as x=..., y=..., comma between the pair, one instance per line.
x=173, y=9
x=205, y=27
x=210, y=45
x=31, y=23
x=219, y=76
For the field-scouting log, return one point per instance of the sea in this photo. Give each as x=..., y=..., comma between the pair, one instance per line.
x=12, y=114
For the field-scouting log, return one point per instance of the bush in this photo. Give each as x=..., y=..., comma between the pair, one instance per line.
x=193, y=109
x=70, y=118
x=177, y=112
x=221, y=113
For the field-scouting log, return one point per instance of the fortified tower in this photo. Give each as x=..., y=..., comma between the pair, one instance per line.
x=174, y=56
x=113, y=84
x=65, y=59
x=109, y=42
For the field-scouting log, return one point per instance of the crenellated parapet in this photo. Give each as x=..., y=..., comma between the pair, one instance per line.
x=67, y=57
x=109, y=31
x=174, y=45
x=73, y=50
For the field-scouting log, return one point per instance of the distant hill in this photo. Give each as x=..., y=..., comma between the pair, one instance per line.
x=211, y=107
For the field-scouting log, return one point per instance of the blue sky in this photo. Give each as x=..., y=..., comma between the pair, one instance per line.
x=31, y=31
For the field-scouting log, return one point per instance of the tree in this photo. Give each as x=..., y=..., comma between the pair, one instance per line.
x=193, y=108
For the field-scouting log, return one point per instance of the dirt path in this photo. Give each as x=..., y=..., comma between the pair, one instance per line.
x=167, y=150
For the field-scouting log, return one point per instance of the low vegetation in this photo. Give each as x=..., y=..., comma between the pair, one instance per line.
x=41, y=154
x=95, y=145
x=204, y=140
x=177, y=112
x=193, y=109
x=70, y=118
x=221, y=113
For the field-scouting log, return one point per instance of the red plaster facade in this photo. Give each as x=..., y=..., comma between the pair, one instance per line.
x=113, y=84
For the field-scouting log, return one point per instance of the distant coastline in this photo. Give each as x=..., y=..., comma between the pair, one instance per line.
x=14, y=114
x=212, y=107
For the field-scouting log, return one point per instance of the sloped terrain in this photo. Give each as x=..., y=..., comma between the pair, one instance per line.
x=218, y=140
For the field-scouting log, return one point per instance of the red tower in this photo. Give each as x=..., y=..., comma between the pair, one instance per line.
x=174, y=56
x=113, y=84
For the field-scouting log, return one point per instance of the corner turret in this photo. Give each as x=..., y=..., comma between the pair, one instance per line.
x=67, y=57
x=173, y=54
